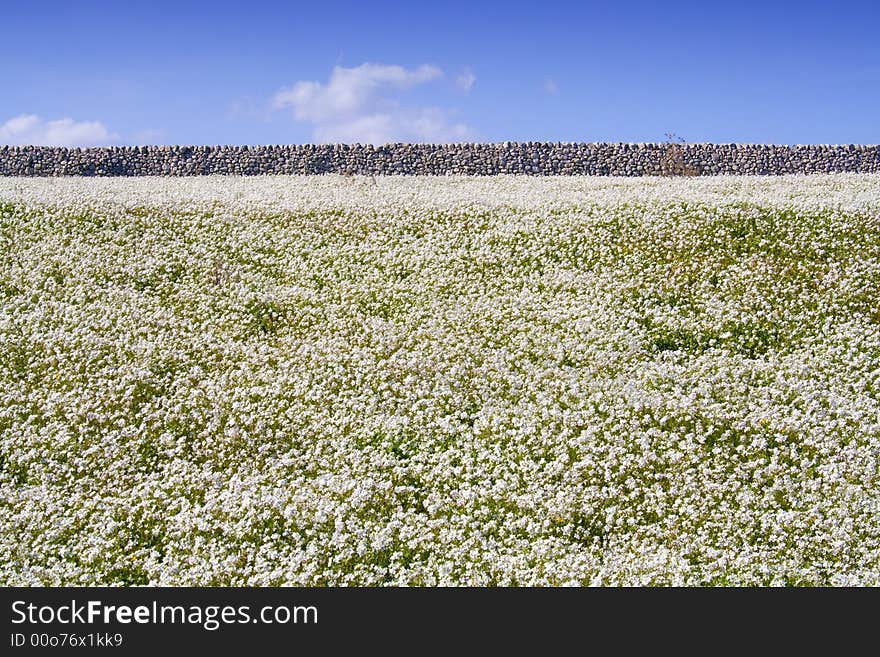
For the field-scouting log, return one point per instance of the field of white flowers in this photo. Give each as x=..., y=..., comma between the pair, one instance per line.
x=431, y=381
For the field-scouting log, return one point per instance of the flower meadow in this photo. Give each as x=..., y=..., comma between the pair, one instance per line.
x=330, y=380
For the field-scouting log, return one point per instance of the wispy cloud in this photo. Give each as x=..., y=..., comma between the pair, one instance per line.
x=361, y=104
x=31, y=130
x=148, y=137
x=246, y=107
x=466, y=79
x=551, y=87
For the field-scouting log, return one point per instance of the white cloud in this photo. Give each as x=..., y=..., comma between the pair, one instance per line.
x=31, y=130
x=349, y=90
x=466, y=79
x=428, y=124
x=360, y=104
x=551, y=87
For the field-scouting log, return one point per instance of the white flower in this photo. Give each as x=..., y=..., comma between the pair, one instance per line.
x=500, y=380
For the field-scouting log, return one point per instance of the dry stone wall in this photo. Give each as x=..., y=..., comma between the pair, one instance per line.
x=531, y=158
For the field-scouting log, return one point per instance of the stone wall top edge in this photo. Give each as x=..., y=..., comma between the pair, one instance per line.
x=502, y=144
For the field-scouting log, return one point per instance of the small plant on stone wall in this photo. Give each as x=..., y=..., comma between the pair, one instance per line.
x=672, y=160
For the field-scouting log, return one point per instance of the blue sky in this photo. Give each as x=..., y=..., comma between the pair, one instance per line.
x=93, y=73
